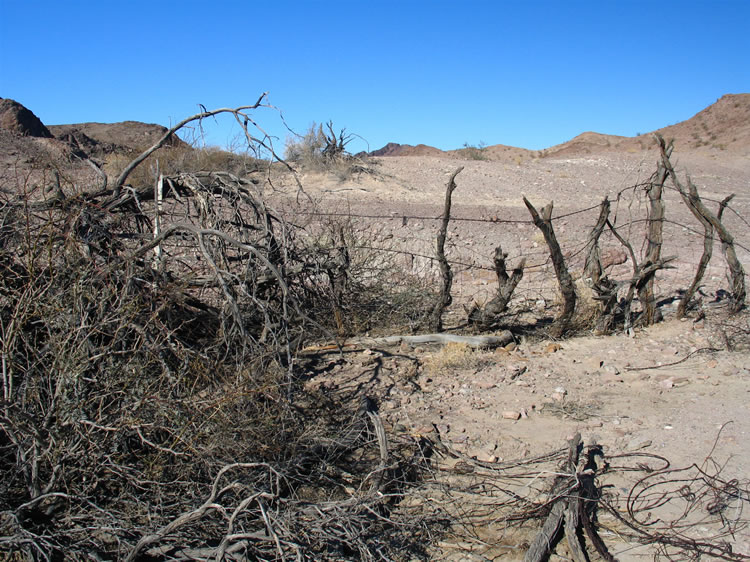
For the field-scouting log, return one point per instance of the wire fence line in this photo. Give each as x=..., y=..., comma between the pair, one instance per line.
x=686, y=228
x=410, y=238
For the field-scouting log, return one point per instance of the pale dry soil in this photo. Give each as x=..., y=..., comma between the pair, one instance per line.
x=673, y=389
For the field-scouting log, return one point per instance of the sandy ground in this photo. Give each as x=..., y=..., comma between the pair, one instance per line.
x=679, y=389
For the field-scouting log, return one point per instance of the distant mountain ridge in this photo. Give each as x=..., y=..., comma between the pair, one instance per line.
x=724, y=125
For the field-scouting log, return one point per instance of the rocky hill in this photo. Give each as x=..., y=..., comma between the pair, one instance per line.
x=93, y=139
x=128, y=136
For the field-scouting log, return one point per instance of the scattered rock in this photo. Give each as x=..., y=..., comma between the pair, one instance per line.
x=611, y=369
x=443, y=428
x=425, y=429
x=511, y=415
x=553, y=347
x=486, y=457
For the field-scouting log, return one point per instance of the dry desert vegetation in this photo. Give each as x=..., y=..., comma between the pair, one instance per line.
x=296, y=353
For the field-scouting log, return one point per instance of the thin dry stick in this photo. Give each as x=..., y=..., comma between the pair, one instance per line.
x=196, y=514
x=166, y=136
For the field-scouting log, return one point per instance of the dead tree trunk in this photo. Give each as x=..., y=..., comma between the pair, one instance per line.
x=484, y=317
x=690, y=195
x=445, y=299
x=567, y=288
x=573, y=492
x=593, y=267
x=603, y=286
x=708, y=245
x=655, y=226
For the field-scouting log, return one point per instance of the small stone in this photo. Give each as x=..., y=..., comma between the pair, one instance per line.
x=510, y=347
x=712, y=364
x=367, y=352
x=666, y=383
x=443, y=428
x=561, y=390
x=558, y=397
x=425, y=429
x=511, y=415
x=524, y=413
x=486, y=457
x=552, y=347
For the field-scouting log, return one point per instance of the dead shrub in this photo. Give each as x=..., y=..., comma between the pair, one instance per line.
x=322, y=150
x=151, y=390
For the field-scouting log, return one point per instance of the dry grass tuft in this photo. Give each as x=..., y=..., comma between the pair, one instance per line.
x=457, y=356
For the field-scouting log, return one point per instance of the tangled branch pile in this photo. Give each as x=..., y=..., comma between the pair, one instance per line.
x=151, y=401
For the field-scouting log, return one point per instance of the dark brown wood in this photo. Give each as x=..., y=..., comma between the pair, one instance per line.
x=593, y=267
x=593, y=272
x=708, y=245
x=445, y=299
x=546, y=538
x=654, y=236
x=736, y=271
x=484, y=317
x=543, y=221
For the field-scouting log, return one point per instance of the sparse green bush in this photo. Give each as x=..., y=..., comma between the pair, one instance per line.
x=475, y=152
x=321, y=149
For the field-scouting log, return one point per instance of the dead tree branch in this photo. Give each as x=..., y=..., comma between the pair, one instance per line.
x=694, y=202
x=567, y=288
x=654, y=229
x=167, y=135
x=602, y=285
x=486, y=316
x=445, y=299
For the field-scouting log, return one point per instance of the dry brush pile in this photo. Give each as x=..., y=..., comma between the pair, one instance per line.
x=152, y=403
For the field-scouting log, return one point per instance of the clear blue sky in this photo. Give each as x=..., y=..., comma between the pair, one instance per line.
x=523, y=73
